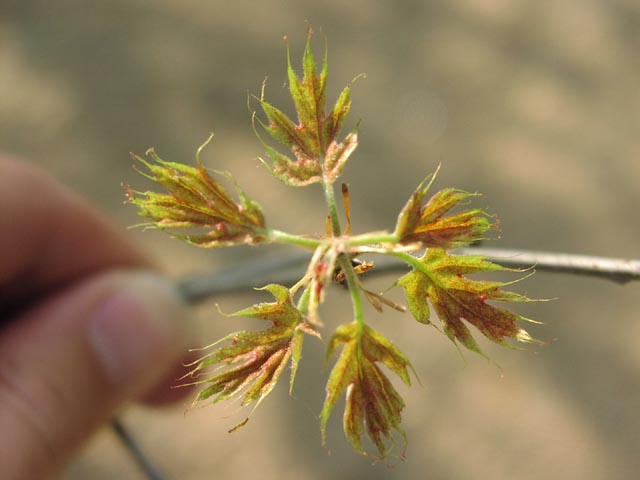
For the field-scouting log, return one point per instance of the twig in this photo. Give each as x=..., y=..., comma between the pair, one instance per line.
x=286, y=270
x=618, y=270
x=251, y=273
x=147, y=467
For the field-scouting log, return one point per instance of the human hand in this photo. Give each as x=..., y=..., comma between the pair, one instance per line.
x=85, y=326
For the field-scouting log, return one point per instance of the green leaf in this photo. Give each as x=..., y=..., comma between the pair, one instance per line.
x=255, y=360
x=429, y=224
x=372, y=403
x=285, y=131
x=197, y=208
x=338, y=154
x=300, y=173
x=308, y=95
x=440, y=280
x=339, y=112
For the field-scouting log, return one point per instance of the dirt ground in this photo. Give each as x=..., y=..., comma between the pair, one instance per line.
x=534, y=103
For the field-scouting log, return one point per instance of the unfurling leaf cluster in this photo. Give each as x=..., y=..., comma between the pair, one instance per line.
x=255, y=360
x=439, y=277
x=429, y=224
x=372, y=403
x=248, y=364
x=197, y=208
x=318, y=155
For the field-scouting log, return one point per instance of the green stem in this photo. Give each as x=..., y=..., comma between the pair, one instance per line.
x=330, y=198
x=413, y=261
x=343, y=260
x=303, y=302
x=371, y=239
x=354, y=291
x=288, y=238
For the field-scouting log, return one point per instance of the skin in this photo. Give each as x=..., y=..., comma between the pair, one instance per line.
x=85, y=326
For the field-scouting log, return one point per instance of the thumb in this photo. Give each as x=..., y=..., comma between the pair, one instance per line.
x=68, y=364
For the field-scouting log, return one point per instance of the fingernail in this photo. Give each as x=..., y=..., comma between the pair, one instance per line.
x=140, y=330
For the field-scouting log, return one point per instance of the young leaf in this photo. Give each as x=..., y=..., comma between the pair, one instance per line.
x=256, y=359
x=371, y=400
x=197, y=208
x=455, y=298
x=321, y=268
x=313, y=139
x=428, y=224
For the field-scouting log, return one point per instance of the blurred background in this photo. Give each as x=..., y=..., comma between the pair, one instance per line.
x=534, y=103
